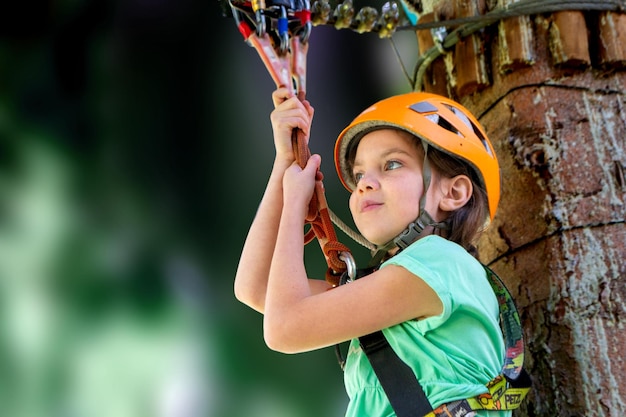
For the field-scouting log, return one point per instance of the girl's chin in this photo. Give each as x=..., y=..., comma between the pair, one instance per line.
x=380, y=237
x=379, y=241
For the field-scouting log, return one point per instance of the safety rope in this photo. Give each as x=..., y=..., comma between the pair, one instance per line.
x=471, y=24
x=344, y=16
x=524, y=8
x=280, y=36
x=356, y=236
x=391, y=20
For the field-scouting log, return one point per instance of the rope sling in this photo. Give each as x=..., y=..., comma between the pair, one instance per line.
x=285, y=59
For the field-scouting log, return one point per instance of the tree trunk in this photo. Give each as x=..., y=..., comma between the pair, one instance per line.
x=550, y=91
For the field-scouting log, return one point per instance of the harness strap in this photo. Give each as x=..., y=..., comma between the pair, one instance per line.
x=397, y=379
x=504, y=394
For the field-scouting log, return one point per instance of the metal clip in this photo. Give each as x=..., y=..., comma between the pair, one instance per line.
x=348, y=259
x=344, y=12
x=366, y=19
x=439, y=34
x=389, y=19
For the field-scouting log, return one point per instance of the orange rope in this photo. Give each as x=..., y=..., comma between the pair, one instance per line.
x=284, y=71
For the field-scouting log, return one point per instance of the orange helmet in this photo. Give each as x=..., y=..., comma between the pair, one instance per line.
x=437, y=120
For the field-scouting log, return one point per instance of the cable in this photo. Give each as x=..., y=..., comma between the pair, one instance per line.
x=472, y=24
x=357, y=237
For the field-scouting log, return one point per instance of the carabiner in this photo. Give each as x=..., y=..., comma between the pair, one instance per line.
x=348, y=259
x=283, y=31
x=344, y=12
x=258, y=7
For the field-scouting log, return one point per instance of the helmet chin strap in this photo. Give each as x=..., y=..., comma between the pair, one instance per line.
x=423, y=226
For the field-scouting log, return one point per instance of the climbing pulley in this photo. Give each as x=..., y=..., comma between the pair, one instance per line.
x=279, y=18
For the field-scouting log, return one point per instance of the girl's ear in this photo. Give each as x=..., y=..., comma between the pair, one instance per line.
x=456, y=192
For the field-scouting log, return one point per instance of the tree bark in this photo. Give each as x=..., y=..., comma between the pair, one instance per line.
x=554, y=108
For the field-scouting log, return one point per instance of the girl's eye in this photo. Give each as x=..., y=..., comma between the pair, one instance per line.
x=390, y=165
x=357, y=176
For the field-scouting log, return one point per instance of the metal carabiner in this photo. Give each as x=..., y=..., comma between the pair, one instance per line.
x=321, y=12
x=258, y=7
x=344, y=12
x=305, y=19
x=283, y=31
x=348, y=259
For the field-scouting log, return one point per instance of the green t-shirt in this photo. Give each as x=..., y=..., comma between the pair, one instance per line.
x=454, y=354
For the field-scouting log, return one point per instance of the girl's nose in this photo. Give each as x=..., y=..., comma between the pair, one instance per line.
x=368, y=181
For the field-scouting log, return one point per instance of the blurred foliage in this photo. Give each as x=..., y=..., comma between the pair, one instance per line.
x=134, y=147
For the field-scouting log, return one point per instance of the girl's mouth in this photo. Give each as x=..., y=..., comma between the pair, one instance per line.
x=369, y=205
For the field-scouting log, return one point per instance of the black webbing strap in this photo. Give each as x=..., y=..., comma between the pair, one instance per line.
x=397, y=379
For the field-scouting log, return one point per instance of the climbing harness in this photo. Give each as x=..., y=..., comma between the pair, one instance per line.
x=280, y=35
x=406, y=396
x=507, y=390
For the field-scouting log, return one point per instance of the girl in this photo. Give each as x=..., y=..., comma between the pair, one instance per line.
x=424, y=181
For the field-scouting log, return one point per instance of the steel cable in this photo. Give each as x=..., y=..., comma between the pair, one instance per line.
x=474, y=23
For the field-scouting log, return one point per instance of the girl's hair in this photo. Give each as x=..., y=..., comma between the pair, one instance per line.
x=468, y=222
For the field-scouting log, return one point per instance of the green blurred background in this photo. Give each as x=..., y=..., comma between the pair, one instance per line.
x=134, y=147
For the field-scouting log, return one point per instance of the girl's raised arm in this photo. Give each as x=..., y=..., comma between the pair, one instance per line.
x=256, y=257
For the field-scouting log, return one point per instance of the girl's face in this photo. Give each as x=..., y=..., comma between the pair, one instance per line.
x=388, y=175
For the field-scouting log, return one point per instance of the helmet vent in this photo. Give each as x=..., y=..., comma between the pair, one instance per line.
x=469, y=123
x=483, y=140
x=426, y=107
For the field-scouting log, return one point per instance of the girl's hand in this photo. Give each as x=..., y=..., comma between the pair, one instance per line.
x=289, y=113
x=299, y=184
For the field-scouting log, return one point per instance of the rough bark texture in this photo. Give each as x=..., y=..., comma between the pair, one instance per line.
x=554, y=107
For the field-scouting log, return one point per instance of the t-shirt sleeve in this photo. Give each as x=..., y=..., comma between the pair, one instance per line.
x=412, y=259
